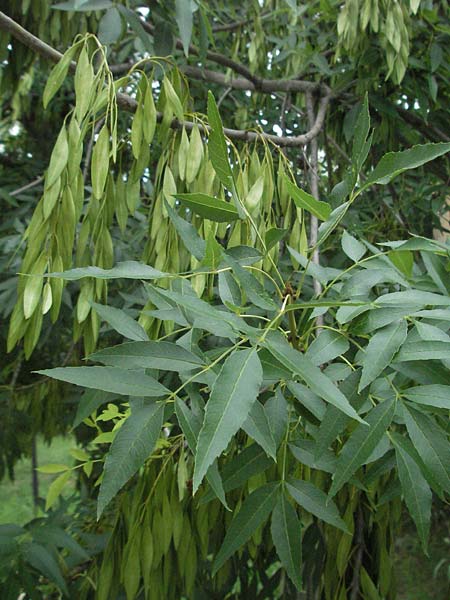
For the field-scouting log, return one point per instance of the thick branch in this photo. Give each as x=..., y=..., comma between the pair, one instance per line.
x=314, y=179
x=267, y=86
x=129, y=104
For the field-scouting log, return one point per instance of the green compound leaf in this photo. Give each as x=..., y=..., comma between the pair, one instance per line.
x=286, y=535
x=232, y=396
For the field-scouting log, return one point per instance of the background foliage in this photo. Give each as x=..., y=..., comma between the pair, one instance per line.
x=283, y=388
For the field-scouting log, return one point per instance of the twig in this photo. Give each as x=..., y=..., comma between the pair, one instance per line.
x=27, y=186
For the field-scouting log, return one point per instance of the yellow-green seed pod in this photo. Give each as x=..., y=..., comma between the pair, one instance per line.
x=183, y=150
x=149, y=109
x=172, y=99
x=84, y=300
x=132, y=568
x=84, y=80
x=190, y=571
x=33, y=332
x=177, y=525
x=17, y=326
x=57, y=286
x=235, y=237
x=253, y=198
x=303, y=244
x=169, y=189
x=136, y=130
x=182, y=476
x=58, y=159
x=46, y=298
x=75, y=149
x=195, y=155
x=146, y=556
x=100, y=162
x=33, y=286
x=121, y=207
x=133, y=195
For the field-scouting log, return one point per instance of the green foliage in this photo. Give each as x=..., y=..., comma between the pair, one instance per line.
x=271, y=410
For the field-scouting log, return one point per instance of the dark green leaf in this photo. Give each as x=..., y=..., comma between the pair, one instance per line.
x=121, y=322
x=187, y=233
x=431, y=444
x=191, y=424
x=412, y=298
x=251, y=461
x=303, y=451
x=302, y=199
x=327, y=346
x=332, y=222
x=334, y=420
x=416, y=490
x=423, y=350
x=353, y=248
x=257, y=427
x=209, y=207
x=273, y=236
x=254, y=511
x=430, y=395
x=301, y=366
x=380, y=351
x=43, y=561
x=228, y=289
x=109, y=379
x=183, y=15
x=89, y=402
x=162, y=355
x=394, y=163
x=232, y=396
x=362, y=126
x=217, y=145
x=308, y=399
x=315, y=501
x=126, y=270
x=362, y=443
x=380, y=317
x=251, y=286
x=110, y=27
x=286, y=535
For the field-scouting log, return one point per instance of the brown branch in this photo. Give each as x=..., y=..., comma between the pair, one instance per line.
x=314, y=181
x=129, y=104
x=266, y=86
